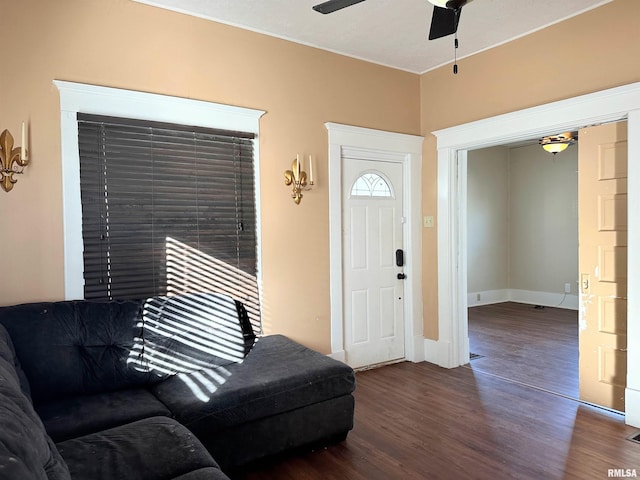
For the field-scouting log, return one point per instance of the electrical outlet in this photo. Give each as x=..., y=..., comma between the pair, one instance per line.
x=567, y=288
x=428, y=221
x=477, y=297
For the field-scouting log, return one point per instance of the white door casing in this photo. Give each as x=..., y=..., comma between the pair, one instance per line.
x=364, y=143
x=452, y=348
x=372, y=226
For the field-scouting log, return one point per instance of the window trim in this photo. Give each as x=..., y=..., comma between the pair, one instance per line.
x=98, y=100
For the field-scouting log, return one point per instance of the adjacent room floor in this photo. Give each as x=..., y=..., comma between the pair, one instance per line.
x=523, y=343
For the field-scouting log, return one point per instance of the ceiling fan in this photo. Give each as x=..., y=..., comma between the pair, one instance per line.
x=446, y=14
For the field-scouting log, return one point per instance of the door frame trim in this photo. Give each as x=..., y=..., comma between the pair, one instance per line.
x=609, y=105
x=381, y=146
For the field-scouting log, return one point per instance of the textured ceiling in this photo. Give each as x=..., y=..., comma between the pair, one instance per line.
x=388, y=32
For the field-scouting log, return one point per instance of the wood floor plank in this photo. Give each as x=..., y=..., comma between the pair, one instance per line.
x=535, y=346
x=420, y=421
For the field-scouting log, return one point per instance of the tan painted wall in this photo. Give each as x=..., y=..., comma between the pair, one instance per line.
x=123, y=44
x=128, y=45
x=593, y=51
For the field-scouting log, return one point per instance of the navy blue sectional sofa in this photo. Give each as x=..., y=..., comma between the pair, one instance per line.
x=169, y=387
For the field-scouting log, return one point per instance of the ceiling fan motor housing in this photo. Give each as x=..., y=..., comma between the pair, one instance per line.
x=455, y=4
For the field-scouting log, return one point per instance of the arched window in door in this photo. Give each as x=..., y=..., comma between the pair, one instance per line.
x=371, y=184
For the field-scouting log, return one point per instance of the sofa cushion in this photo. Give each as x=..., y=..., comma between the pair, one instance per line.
x=245, y=325
x=75, y=416
x=189, y=332
x=83, y=347
x=152, y=448
x=76, y=347
x=278, y=375
x=26, y=452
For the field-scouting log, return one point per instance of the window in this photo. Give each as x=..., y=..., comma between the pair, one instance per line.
x=188, y=266
x=371, y=185
x=151, y=192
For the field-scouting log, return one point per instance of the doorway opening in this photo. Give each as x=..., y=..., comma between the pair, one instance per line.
x=611, y=105
x=351, y=142
x=522, y=260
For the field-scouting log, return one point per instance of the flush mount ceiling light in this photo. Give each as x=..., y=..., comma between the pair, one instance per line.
x=558, y=143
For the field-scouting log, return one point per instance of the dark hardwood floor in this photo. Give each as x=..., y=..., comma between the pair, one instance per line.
x=538, y=347
x=420, y=421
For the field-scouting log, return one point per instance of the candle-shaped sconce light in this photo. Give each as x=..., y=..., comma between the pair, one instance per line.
x=12, y=159
x=298, y=178
x=310, y=172
x=23, y=145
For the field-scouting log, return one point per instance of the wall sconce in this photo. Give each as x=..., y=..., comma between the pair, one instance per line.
x=298, y=178
x=10, y=156
x=558, y=143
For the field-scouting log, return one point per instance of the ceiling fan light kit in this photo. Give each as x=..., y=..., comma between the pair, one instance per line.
x=445, y=19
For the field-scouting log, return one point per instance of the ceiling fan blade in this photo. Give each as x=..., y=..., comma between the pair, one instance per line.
x=444, y=22
x=333, y=5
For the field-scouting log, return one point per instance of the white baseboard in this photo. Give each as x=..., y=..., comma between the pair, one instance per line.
x=415, y=349
x=632, y=407
x=546, y=299
x=558, y=300
x=340, y=355
x=414, y=352
x=436, y=351
x=487, y=297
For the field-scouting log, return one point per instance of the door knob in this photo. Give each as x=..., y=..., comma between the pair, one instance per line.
x=401, y=276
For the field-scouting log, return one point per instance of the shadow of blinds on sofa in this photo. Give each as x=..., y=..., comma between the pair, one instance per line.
x=192, y=336
x=147, y=187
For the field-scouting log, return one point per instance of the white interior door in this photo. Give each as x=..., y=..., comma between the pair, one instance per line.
x=372, y=225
